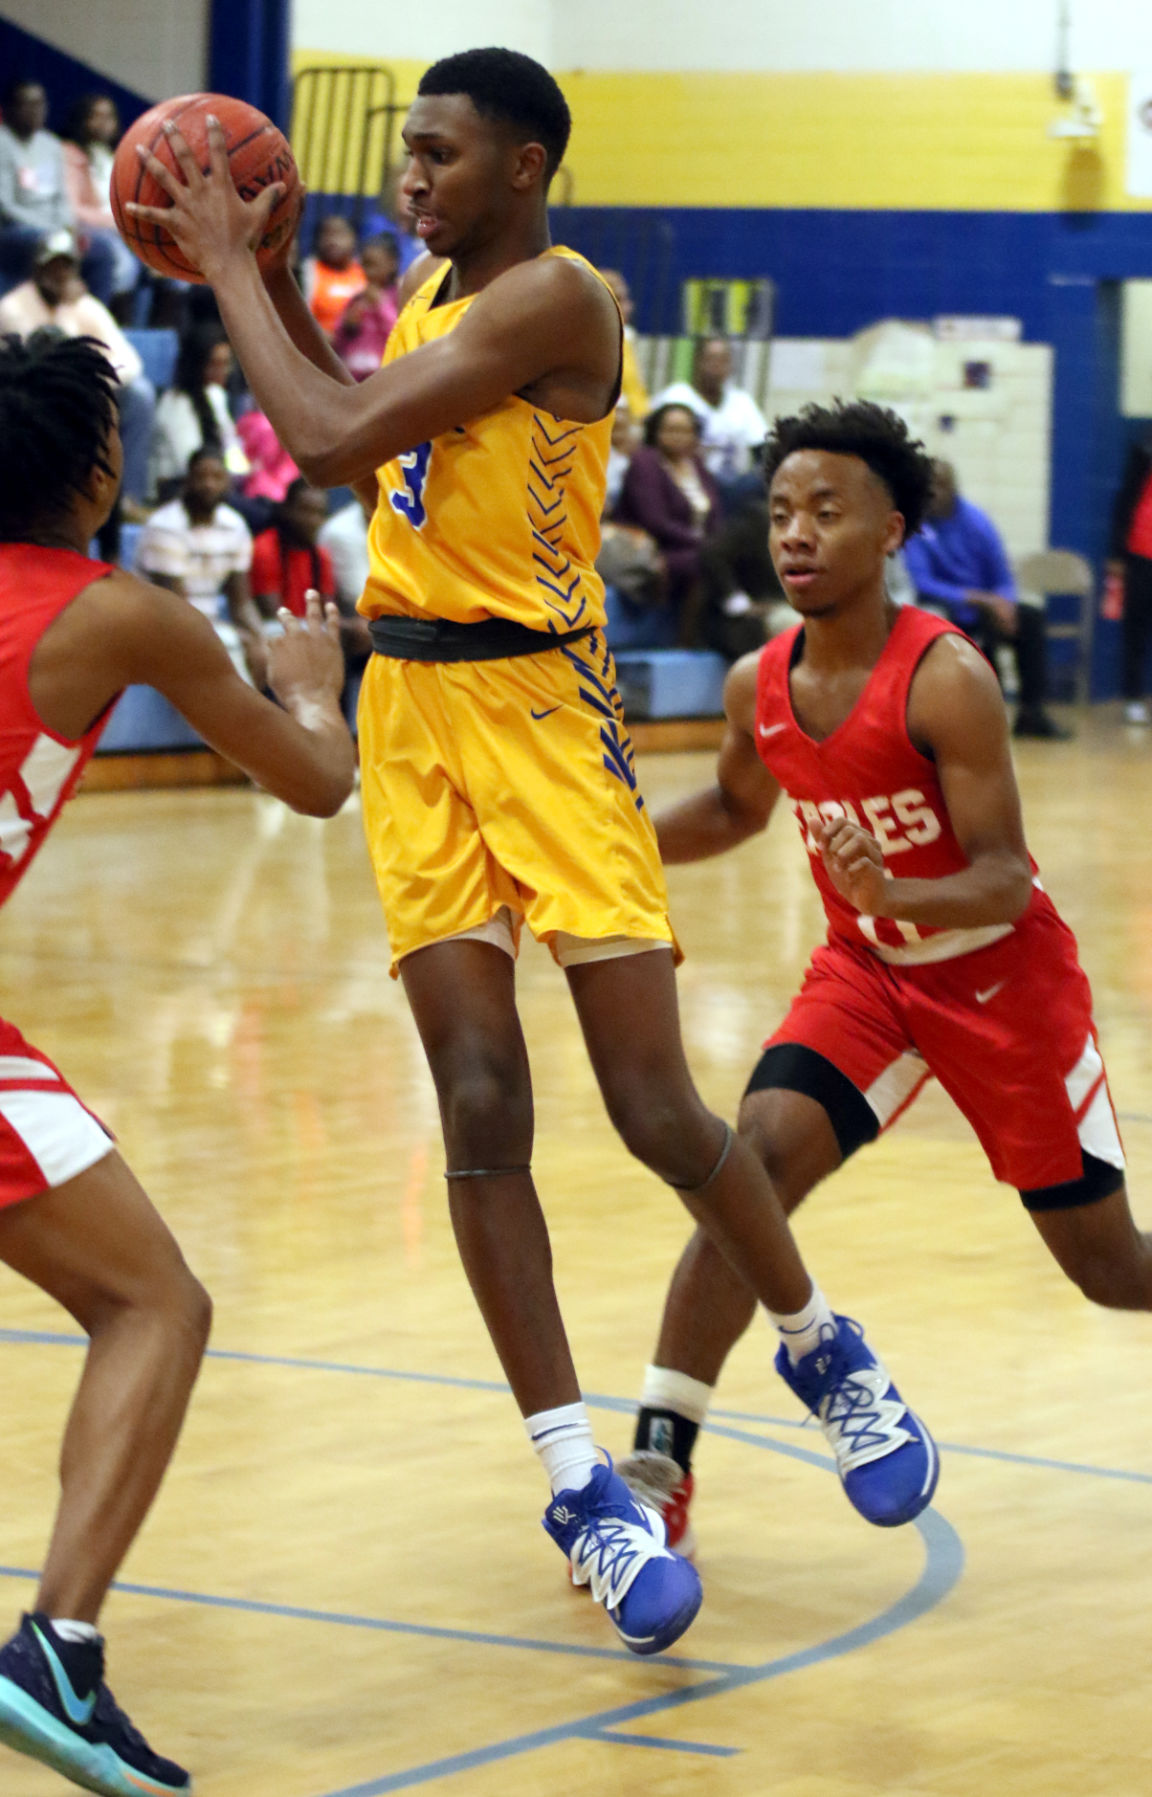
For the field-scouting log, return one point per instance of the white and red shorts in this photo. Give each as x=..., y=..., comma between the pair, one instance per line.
x=46, y=1134
x=1007, y=1030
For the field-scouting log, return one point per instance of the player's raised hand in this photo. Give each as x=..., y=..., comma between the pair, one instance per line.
x=307, y=662
x=855, y=865
x=207, y=217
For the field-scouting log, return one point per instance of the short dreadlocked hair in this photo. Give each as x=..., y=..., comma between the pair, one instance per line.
x=57, y=408
x=857, y=427
x=505, y=85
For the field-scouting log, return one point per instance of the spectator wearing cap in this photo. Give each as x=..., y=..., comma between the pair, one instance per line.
x=56, y=297
x=34, y=199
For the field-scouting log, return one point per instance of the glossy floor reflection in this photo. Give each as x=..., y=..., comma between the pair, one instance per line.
x=344, y=1587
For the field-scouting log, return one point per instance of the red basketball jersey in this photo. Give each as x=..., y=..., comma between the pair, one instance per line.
x=38, y=769
x=869, y=770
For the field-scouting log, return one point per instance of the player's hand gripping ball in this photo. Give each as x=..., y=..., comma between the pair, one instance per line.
x=259, y=157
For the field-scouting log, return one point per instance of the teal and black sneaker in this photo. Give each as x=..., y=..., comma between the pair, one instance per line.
x=55, y=1707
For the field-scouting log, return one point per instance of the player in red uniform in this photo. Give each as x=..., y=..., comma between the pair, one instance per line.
x=886, y=731
x=73, y=634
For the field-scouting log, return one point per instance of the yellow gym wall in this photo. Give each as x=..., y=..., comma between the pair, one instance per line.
x=947, y=142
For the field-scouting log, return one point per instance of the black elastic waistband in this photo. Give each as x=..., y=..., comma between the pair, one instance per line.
x=439, y=639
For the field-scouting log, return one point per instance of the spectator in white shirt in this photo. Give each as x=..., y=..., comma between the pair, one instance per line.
x=33, y=192
x=199, y=547
x=733, y=427
x=345, y=537
x=90, y=137
x=56, y=297
x=194, y=412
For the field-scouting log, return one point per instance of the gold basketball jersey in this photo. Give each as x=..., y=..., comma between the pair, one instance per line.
x=499, y=517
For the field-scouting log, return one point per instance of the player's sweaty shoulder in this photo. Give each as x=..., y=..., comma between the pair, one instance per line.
x=954, y=688
x=561, y=300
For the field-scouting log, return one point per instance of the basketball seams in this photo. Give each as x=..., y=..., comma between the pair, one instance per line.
x=151, y=241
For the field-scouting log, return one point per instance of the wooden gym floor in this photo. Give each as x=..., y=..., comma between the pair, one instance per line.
x=344, y=1588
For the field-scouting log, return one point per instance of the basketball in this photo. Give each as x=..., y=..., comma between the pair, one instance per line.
x=258, y=155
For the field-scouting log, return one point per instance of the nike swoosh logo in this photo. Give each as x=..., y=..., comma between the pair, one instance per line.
x=78, y=1710
x=771, y=729
x=990, y=992
x=545, y=714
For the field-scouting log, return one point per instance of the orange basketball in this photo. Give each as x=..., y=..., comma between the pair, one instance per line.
x=258, y=155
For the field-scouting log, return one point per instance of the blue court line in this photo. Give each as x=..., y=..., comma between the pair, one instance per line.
x=944, y=1561
x=613, y=1739
x=598, y=1401
x=943, y=1565
x=386, y=1624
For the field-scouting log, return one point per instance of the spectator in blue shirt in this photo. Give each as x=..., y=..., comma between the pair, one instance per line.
x=958, y=565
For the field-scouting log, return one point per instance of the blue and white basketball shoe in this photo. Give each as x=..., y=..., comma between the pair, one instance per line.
x=615, y=1546
x=55, y=1707
x=887, y=1461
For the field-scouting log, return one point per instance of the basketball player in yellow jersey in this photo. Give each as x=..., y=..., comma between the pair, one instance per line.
x=497, y=777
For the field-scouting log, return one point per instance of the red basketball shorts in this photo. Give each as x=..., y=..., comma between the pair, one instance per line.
x=1007, y=1031
x=46, y=1134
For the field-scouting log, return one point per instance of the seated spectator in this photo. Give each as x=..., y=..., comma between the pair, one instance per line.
x=271, y=469
x=959, y=566
x=345, y=538
x=394, y=217
x=199, y=547
x=669, y=493
x=34, y=200
x=287, y=561
x=90, y=138
x=743, y=601
x=732, y=424
x=331, y=275
x=632, y=386
x=194, y=412
x=625, y=439
x=366, y=321
x=56, y=296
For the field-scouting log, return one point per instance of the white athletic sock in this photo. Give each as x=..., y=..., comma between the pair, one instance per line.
x=806, y=1328
x=563, y=1440
x=75, y=1631
x=666, y=1390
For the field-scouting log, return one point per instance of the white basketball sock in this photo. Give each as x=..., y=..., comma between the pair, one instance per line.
x=75, y=1631
x=563, y=1440
x=806, y=1329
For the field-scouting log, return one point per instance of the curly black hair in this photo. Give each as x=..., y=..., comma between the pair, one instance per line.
x=655, y=419
x=878, y=436
x=505, y=85
x=57, y=407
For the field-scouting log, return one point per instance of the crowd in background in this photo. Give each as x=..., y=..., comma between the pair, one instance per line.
x=218, y=510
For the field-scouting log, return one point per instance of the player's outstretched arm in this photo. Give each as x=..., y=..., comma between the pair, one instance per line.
x=956, y=713
x=740, y=802
x=122, y=632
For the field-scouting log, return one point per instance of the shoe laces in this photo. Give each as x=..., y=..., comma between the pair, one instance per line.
x=861, y=1422
x=111, y=1717
x=611, y=1551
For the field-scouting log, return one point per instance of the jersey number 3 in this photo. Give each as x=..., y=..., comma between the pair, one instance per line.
x=410, y=499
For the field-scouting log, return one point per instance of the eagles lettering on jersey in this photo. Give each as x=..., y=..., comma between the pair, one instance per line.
x=870, y=771
x=904, y=821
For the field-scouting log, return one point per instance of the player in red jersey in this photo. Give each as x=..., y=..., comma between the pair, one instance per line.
x=886, y=732
x=73, y=634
